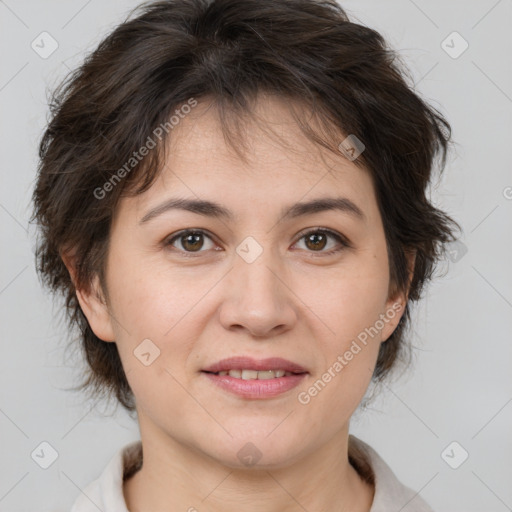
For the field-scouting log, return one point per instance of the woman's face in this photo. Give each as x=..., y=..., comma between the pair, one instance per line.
x=255, y=283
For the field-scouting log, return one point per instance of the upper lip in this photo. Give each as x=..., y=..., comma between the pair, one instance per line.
x=248, y=363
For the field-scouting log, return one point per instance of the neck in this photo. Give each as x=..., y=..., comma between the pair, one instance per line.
x=176, y=477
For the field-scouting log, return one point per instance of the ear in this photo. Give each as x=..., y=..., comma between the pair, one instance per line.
x=92, y=302
x=395, y=305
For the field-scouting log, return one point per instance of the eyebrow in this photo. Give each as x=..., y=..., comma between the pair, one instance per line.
x=215, y=210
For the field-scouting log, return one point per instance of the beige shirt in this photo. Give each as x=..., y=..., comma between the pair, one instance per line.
x=106, y=493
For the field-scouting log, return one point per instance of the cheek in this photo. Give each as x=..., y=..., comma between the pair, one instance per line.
x=151, y=318
x=351, y=304
x=336, y=394
x=144, y=310
x=353, y=299
x=350, y=353
x=147, y=296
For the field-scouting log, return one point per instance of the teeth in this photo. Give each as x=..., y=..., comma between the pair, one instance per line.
x=253, y=374
x=269, y=374
x=249, y=374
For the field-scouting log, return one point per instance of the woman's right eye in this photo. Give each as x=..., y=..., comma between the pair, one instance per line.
x=191, y=241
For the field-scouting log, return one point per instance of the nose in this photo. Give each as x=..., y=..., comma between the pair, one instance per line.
x=257, y=298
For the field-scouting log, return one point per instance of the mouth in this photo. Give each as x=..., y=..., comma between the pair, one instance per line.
x=255, y=375
x=255, y=379
x=248, y=365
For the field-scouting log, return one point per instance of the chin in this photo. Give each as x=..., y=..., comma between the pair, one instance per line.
x=257, y=451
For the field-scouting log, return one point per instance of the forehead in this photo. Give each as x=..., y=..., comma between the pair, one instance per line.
x=280, y=164
x=266, y=133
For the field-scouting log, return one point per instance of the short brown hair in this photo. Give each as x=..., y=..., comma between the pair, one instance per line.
x=229, y=51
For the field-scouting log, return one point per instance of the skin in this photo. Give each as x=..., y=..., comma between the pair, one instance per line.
x=293, y=301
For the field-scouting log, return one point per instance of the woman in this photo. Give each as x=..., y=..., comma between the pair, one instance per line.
x=232, y=198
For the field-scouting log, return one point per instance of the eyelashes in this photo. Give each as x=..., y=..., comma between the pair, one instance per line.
x=192, y=245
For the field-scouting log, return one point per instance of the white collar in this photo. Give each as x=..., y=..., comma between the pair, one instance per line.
x=106, y=493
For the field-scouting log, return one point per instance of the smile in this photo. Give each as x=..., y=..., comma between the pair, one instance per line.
x=253, y=374
x=255, y=385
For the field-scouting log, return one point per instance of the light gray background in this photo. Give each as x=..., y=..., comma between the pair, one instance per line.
x=460, y=388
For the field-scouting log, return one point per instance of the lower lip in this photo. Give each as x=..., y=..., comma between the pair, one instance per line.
x=256, y=389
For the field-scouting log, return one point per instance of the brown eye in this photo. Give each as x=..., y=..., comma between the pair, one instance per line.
x=190, y=241
x=318, y=240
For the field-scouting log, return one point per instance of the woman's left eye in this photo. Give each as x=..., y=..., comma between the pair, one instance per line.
x=317, y=239
x=192, y=241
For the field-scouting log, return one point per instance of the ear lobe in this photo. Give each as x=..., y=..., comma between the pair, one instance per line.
x=92, y=302
x=395, y=306
x=411, y=264
x=391, y=317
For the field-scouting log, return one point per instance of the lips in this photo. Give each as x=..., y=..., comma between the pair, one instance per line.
x=242, y=363
x=255, y=379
